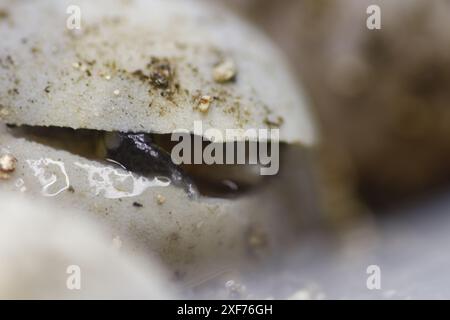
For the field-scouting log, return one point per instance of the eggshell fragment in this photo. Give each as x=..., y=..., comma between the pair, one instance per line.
x=139, y=66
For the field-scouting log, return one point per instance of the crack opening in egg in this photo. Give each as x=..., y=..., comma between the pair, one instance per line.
x=148, y=155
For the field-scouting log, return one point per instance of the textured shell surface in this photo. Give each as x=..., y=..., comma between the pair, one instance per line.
x=143, y=66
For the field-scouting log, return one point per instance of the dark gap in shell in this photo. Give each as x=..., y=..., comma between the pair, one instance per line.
x=148, y=155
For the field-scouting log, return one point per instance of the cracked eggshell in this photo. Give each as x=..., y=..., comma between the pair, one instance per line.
x=194, y=237
x=143, y=66
x=39, y=244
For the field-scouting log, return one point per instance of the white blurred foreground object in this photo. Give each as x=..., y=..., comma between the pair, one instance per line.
x=49, y=254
